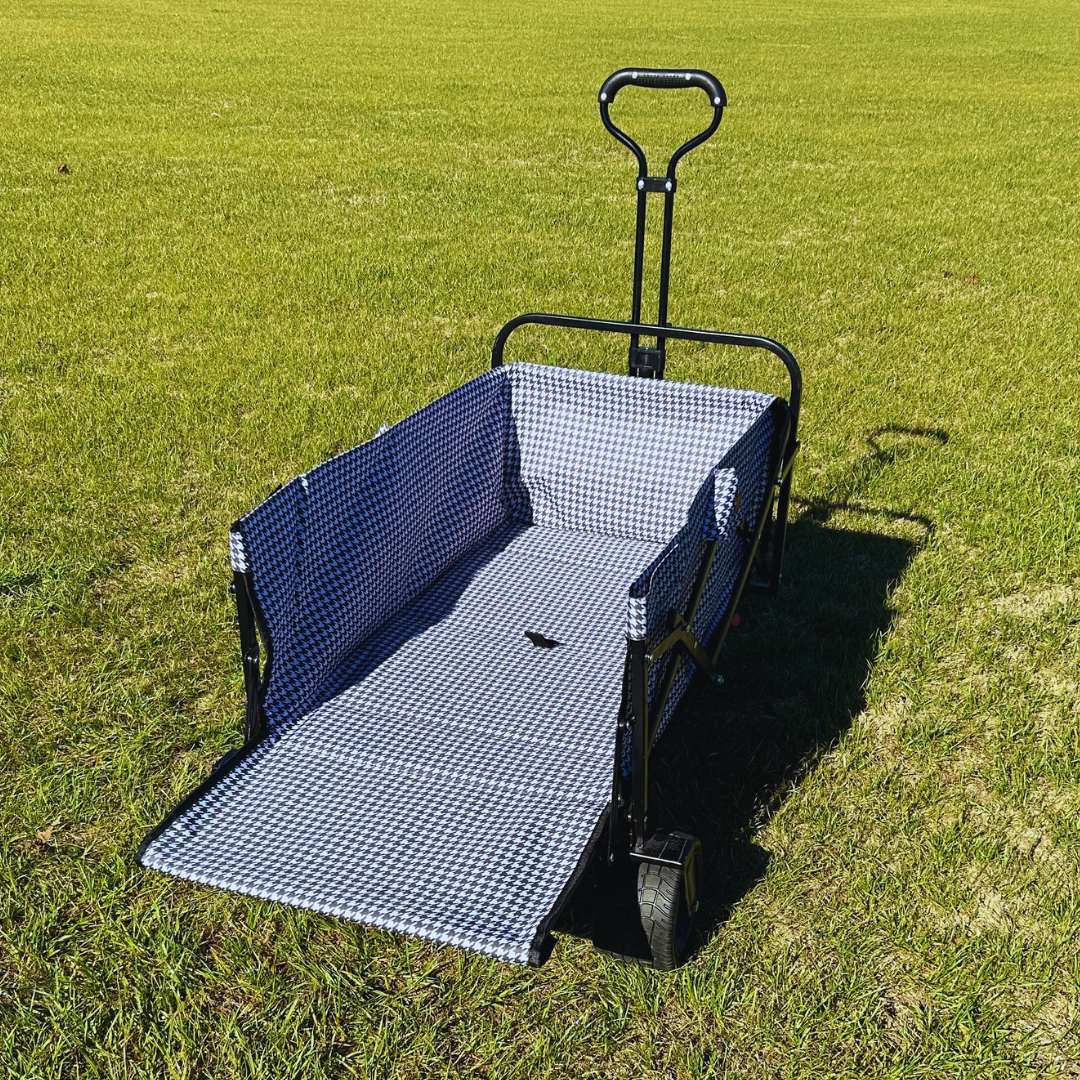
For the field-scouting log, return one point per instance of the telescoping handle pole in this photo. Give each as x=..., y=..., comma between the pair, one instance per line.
x=649, y=361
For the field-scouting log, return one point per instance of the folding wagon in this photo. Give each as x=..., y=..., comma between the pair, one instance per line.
x=477, y=625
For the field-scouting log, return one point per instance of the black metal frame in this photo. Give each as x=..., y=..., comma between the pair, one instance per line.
x=254, y=723
x=629, y=812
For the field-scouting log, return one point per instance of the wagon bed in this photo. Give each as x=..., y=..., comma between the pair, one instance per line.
x=450, y=778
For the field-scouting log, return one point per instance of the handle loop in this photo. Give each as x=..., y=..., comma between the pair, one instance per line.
x=662, y=79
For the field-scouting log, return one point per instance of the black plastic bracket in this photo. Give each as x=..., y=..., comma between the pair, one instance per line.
x=665, y=848
x=647, y=361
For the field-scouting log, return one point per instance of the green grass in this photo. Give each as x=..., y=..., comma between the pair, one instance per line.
x=285, y=224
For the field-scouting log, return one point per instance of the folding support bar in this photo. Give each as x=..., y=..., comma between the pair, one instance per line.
x=690, y=643
x=249, y=649
x=639, y=773
x=780, y=535
x=787, y=448
x=644, y=727
x=785, y=453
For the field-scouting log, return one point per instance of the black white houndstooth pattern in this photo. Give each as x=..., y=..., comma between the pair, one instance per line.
x=428, y=768
x=237, y=555
x=599, y=453
x=450, y=788
x=341, y=549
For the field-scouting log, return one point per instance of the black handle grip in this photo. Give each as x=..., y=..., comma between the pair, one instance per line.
x=663, y=79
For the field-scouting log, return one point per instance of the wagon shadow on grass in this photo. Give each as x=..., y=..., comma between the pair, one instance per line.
x=795, y=670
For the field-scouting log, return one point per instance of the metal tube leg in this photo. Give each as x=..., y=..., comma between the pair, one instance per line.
x=639, y=697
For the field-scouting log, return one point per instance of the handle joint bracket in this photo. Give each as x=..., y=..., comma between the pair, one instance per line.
x=664, y=184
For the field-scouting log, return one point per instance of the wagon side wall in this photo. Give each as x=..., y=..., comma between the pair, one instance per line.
x=340, y=550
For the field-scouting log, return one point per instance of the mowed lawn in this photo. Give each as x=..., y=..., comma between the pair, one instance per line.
x=284, y=224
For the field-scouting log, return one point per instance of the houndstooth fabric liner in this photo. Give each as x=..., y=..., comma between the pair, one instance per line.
x=427, y=768
x=454, y=807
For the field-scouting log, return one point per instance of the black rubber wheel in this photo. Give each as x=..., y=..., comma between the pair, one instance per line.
x=667, y=914
x=645, y=912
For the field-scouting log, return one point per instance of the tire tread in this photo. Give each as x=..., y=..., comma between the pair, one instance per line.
x=659, y=888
